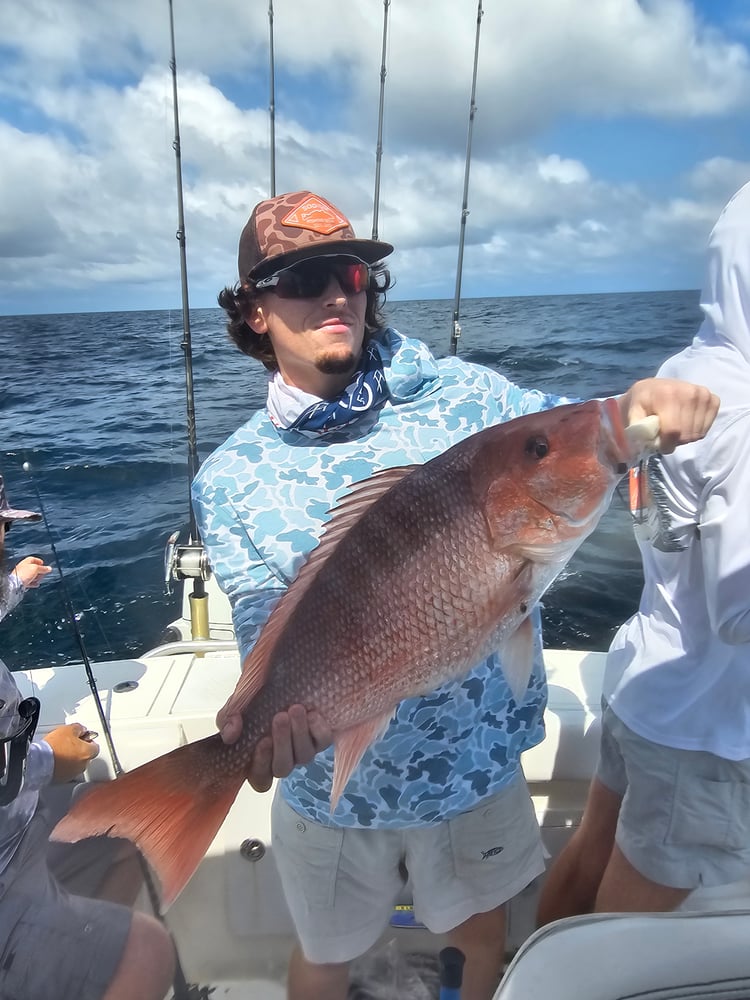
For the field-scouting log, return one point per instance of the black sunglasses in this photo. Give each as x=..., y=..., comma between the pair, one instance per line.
x=307, y=279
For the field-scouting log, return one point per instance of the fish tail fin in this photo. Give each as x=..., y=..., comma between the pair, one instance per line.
x=171, y=808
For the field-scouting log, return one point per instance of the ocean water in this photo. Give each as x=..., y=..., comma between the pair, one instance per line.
x=96, y=404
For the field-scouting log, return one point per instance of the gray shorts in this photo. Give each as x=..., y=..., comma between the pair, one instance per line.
x=52, y=943
x=80, y=868
x=685, y=815
x=341, y=884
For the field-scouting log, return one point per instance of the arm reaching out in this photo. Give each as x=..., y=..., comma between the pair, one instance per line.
x=31, y=571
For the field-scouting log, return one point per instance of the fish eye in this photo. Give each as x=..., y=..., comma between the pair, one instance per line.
x=537, y=446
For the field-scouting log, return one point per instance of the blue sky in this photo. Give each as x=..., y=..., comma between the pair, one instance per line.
x=608, y=135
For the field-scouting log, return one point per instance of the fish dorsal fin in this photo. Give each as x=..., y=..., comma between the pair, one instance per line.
x=347, y=512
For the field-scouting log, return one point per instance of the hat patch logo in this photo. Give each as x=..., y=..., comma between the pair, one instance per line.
x=317, y=216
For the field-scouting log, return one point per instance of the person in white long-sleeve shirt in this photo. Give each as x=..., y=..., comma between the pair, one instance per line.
x=669, y=807
x=53, y=943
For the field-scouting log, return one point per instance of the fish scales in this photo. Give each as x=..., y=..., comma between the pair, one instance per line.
x=390, y=614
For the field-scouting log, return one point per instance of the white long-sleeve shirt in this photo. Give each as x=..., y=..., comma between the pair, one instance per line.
x=678, y=672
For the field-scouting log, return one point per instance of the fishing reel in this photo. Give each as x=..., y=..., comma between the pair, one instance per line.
x=184, y=562
x=13, y=751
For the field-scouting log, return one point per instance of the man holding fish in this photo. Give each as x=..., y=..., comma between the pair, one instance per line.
x=384, y=529
x=437, y=789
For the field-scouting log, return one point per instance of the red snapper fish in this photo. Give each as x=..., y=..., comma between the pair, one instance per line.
x=421, y=572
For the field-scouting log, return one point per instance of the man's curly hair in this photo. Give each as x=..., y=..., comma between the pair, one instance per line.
x=239, y=301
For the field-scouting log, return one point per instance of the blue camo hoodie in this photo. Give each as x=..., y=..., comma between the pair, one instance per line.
x=261, y=500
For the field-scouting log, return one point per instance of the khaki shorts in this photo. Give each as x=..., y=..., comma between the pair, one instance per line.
x=341, y=883
x=53, y=944
x=685, y=815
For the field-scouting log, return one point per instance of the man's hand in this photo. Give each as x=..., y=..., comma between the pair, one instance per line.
x=685, y=411
x=31, y=571
x=296, y=736
x=72, y=751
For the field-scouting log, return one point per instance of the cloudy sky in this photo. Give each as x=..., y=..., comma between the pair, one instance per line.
x=608, y=135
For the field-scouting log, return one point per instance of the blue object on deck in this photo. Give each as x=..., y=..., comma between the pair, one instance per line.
x=403, y=916
x=451, y=962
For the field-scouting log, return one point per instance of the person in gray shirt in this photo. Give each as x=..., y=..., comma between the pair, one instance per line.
x=54, y=943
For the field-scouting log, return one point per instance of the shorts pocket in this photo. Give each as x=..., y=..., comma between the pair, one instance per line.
x=709, y=812
x=495, y=835
x=307, y=855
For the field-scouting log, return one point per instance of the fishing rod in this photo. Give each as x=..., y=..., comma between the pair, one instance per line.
x=186, y=344
x=456, y=327
x=272, y=99
x=182, y=991
x=68, y=605
x=186, y=561
x=379, y=147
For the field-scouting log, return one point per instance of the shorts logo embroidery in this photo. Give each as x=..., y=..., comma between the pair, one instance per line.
x=491, y=853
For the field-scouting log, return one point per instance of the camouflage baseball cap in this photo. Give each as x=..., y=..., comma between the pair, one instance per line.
x=296, y=226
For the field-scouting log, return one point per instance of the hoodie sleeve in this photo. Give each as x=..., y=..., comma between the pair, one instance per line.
x=16, y=591
x=252, y=587
x=40, y=765
x=512, y=400
x=725, y=543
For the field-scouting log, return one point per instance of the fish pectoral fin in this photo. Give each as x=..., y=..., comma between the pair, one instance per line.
x=349, y=746
x=517, y=658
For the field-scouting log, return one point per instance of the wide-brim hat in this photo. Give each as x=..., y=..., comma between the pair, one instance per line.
x=8, y=513
x=296, y=226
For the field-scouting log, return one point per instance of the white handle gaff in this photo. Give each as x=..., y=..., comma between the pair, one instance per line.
x=643, y=437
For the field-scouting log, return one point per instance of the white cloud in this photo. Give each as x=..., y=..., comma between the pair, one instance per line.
x=554, y=57
x=88, y=170
x=555, y=168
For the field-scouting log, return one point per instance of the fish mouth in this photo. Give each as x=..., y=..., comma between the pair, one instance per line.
x=615, y=451
x=565, y=515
